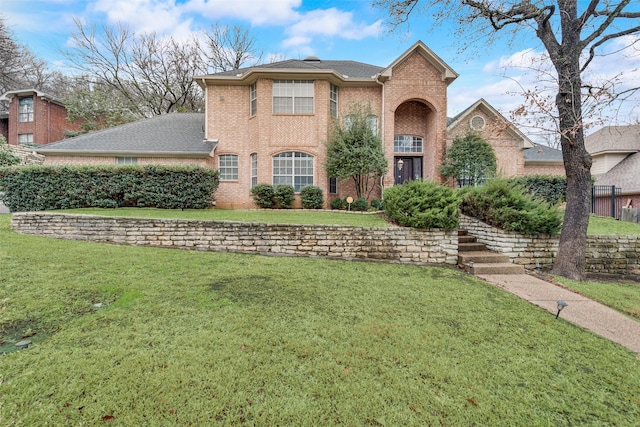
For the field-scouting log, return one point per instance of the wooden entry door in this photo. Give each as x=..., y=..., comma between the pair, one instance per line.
x=407, y=169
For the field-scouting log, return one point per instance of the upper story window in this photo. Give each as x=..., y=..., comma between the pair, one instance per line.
x=293, y=96
x=407, y=144
x=333, y=100
x=372, y=123
x=25, y=109
x=254, y=170
x=25, y=138
x=293, y=168
x=254, y=99
x=127, y=160
x=228, y=167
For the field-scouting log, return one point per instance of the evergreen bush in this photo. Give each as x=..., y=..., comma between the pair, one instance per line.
x=507, y=205
x=284, y=196
x=360, y=205
x=34, y=188
x=338, y=203
x=311, y=197
x=422, y=204
x=550, y=188
x=263, y=195
x=376, y=204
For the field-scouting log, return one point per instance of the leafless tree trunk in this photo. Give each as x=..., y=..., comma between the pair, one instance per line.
x=567, y=34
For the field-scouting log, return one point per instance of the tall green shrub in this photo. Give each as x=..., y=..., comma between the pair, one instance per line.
x=470, y=160
x=550, y=188
x=422, y=204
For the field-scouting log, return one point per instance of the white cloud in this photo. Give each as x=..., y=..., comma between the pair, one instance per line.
x=143, y=16
x=258, y=12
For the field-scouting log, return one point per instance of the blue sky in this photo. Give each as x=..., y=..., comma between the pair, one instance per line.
x=329, y=29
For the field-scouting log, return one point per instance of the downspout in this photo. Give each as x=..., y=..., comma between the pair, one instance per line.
x=48, y=122
x=382, y=139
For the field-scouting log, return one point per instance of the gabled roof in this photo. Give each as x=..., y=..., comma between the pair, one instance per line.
x=447, y=74
x=495, y=114
x=31, y=92
x=176, y=135
x=614, y=139
x=346, y=71
x=542, y=154
x=624, y=175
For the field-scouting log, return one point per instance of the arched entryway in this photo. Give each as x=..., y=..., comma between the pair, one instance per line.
x=414, y=136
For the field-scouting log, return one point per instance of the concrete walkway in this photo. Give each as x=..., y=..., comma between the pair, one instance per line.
x=580, y=310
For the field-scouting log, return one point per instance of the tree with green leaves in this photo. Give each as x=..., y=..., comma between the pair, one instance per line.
x=573, y=34
x=355, y=151
x=470, y=160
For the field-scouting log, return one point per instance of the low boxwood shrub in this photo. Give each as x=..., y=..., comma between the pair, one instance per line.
x=263, y=195
x=338, y=203
x=284, y=196
x=360, y=205
x=311, y=197
x=508, y=206
x=376, y=204
x=422, y=204
x=34, y=188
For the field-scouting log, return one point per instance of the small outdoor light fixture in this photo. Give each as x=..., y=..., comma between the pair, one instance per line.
x=400, y=164
x=538, y=266
x=561, y=305
x=470, y=266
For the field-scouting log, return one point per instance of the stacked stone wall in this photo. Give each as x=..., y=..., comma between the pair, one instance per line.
x=26, y=155
x=605, y=255
x=399, y=245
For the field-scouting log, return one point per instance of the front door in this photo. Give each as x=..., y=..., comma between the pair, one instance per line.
x=407, y=169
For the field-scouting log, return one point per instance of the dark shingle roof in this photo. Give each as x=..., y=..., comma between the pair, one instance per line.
x=345, y=68
x=542, y=153
x=169, y=134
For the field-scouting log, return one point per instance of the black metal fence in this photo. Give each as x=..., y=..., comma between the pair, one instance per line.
x=606, y=200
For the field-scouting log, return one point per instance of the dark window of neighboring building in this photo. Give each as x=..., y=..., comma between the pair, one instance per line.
x=333, y=185
x=25, y=109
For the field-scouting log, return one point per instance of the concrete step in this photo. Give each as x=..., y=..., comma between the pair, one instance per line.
x=495, y=268
x=482, y=257
x=462, y=232
x=466, y=247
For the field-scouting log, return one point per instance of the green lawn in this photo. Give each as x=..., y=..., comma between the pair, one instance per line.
x=599, y=225
x=356, y=219
x=193, y=338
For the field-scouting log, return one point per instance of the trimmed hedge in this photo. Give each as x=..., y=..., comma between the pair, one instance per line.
x=506, y=205
x=263, y=195
x=311, y=197
x=284, y=195
x=422, y=204
x=35, y=188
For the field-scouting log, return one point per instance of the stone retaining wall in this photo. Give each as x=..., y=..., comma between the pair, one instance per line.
x=396, y=244
x=608, y=255
x=26, y=155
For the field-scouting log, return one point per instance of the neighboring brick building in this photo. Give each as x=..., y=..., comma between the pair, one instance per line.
x=33, y=117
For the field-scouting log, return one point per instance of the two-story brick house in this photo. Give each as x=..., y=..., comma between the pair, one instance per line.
x=34, y=117
x=271, y=122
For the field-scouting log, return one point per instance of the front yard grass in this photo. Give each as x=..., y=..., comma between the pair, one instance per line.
x=271, y=216
x=194, y=338
x=599, y=225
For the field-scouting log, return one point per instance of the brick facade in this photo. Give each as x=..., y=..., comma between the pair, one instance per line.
x=409, y=97
x=49, y=119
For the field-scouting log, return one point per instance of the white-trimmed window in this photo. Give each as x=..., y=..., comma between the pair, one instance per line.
x=407, y=144
x=25, y=138
x=25, y=109
x=253, y=92
x=228, y=167
x=254, y=170
x=333, y=100
x=293, y=168
x=293, y=96
x=126, y=160
x=372, y=123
